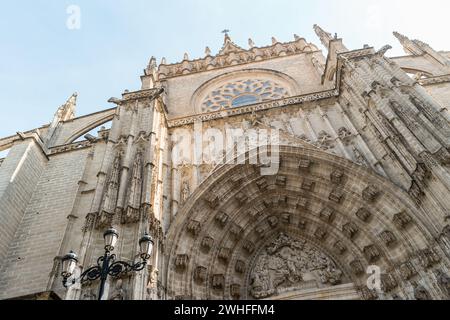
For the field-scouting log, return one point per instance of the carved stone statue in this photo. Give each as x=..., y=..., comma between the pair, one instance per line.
x=119, y=292
x=287, y=263
x=185, y=192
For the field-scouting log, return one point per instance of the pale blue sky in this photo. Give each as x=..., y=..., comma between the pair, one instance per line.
x=43, y=62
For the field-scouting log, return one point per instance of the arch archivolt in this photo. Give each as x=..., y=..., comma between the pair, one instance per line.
x=351, y=215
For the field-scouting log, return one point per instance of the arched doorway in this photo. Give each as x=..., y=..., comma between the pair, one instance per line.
x=333, y=217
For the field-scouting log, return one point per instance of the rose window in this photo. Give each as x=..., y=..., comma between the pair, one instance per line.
x=243, y=92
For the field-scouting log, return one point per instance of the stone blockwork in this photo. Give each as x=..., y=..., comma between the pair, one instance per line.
x=360, y=142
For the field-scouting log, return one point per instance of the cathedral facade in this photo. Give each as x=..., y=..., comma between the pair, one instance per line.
x=274, y=172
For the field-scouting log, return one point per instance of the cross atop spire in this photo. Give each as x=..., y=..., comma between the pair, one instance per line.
x=227, y=37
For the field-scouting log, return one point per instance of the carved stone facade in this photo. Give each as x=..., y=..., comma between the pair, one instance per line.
x=361, y=146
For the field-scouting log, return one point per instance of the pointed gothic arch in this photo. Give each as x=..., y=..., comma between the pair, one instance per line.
x=347, y=213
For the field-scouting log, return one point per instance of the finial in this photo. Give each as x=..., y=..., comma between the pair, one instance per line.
x=151, y=65
x=207, y=51
x=274, y=41
x=67, y=110
x=296, y=37
x=251, y=43
x=410, y=47
x=325, y=37
x=399, y=36
x=186, y=56
x=163, y=60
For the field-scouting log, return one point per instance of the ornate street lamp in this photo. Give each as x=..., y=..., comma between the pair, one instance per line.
x=106, y=264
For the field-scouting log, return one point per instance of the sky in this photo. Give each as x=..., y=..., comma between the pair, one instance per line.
x=45, y=57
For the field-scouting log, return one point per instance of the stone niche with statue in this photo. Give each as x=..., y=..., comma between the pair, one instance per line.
x=289, y=264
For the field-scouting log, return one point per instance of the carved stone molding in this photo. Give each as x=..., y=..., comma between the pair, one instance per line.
x=253, y=108
x=232, y=55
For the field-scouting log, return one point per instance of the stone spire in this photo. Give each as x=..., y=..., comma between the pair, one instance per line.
x=67, y=110
x=186, y=56
x=325, y=37
x=207, y=51
x=251, y=43
x=417, y=47
x=410, y=47
x=151, y=67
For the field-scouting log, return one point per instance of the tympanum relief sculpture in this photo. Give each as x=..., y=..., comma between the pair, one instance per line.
x=288, y=264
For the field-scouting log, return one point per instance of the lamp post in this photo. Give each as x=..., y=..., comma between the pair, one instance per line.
x=106, y=264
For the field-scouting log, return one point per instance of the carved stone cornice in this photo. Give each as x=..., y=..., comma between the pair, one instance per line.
x=70, y=147
x=232, y=55
x=141, y=94
x=253, y=108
